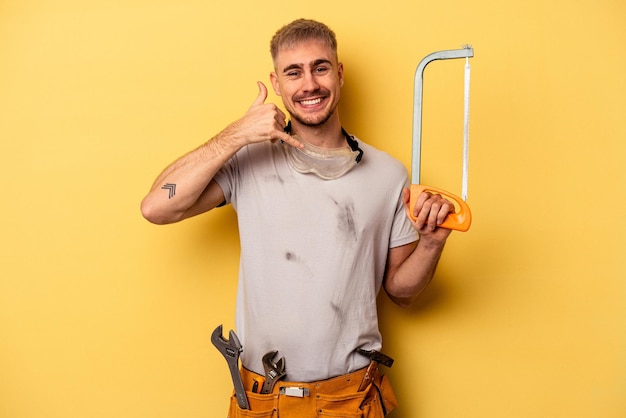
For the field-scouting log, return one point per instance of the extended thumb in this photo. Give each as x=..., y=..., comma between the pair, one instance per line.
x=262, y=96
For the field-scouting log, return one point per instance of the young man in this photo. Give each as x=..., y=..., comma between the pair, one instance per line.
x=323, y=226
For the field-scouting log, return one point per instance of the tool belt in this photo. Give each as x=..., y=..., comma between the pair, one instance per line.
x=338, y=396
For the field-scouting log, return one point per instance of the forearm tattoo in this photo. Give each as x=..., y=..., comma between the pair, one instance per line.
x=171, y=189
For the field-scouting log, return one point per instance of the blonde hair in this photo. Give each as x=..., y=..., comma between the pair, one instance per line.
x=302, y=30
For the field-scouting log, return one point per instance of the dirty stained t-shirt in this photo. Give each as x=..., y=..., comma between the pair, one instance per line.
x=313, y=255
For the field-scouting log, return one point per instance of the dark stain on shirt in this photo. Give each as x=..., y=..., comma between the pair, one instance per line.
x=347, y=224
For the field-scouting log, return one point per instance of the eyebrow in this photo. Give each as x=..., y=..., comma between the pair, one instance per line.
x=312, y=64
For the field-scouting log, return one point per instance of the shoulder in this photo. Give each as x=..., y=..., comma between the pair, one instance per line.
x=255, y=153
x=256, y=148
x=380, y=160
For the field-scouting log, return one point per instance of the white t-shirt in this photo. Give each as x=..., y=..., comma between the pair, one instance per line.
x=313, y=256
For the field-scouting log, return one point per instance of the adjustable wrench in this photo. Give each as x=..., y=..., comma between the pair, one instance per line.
x=231, y=349
x=273, y=371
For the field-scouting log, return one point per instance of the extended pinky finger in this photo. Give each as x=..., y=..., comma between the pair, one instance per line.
x=291, y=141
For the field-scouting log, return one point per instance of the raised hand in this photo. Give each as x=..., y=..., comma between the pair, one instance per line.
x=263, y=122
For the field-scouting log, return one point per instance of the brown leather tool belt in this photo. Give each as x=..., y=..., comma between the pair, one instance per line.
x=364, y=393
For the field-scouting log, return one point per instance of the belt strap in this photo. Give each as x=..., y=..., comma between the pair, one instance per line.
x=347, y=383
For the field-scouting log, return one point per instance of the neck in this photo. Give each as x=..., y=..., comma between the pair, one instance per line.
x=328, y=135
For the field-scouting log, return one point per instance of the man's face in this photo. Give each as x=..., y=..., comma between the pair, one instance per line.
x=308, y=78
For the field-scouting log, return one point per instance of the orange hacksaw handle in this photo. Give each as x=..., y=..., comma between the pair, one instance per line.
x=458, y=221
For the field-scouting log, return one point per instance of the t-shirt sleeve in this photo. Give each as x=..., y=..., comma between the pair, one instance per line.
x=226, y=178
x=402, y=230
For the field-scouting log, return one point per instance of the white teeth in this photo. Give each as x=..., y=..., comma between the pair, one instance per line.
x=311, y=102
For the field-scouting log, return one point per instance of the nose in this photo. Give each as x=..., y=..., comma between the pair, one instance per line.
x=309, y=82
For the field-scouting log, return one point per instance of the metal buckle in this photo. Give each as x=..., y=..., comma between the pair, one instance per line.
x=293, y=391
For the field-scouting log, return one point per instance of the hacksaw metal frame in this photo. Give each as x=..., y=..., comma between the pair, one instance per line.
x=466, y=52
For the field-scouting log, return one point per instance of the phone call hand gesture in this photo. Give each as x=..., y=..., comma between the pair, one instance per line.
x=263, y=122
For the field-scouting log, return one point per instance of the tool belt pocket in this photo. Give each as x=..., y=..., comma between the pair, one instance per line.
x=376, y=401
x=341, y=406
x=261, y=406
x=383, y=396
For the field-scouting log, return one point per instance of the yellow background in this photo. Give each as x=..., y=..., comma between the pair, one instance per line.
x=105, y=315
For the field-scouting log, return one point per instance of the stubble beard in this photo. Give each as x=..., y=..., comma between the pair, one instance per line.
x=314, y=121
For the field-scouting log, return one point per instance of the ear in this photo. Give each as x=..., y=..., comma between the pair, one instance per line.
x=340, y=73
x=274, y=80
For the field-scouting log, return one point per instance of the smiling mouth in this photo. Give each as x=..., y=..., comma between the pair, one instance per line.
x=311, y=102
